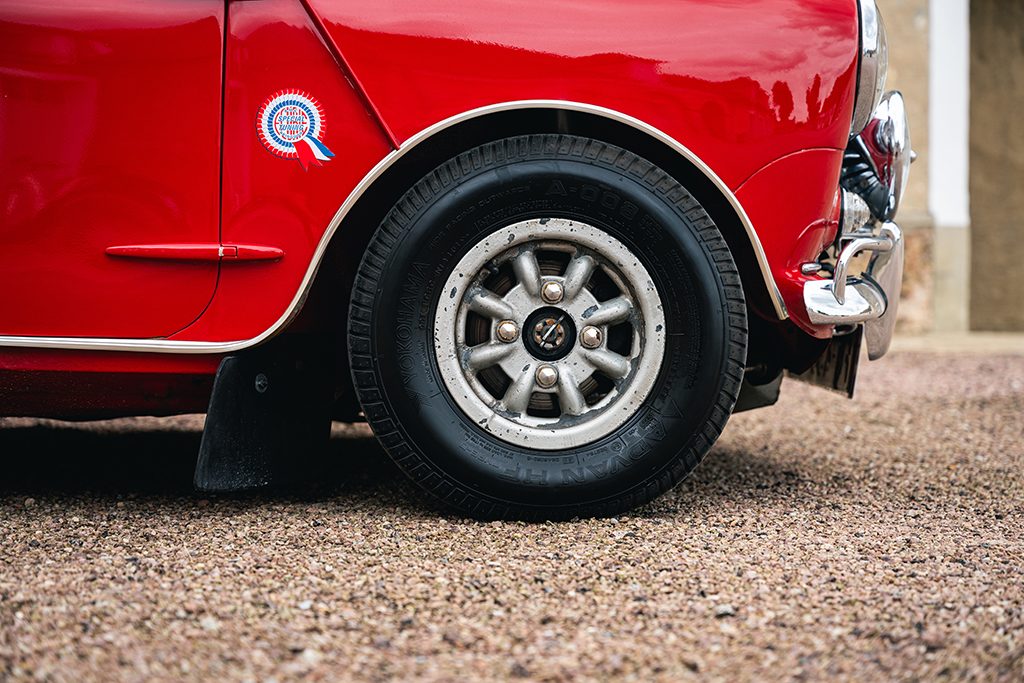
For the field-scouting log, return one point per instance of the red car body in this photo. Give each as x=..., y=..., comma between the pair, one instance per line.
x=146, y=231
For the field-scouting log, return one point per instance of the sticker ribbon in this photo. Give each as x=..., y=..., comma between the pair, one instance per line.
x=312, y=151
x=291, y=125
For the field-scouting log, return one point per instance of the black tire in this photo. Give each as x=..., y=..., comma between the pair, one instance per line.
x=414, y=250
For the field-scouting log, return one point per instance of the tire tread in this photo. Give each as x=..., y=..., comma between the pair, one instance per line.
x=366, y=376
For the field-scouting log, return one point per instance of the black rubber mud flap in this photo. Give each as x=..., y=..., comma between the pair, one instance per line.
x=269, y=415
x=758, y=392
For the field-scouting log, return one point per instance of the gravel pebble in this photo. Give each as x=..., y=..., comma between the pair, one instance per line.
x=873, y=539
x=725, y=610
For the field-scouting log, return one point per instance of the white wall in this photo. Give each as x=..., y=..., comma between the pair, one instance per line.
x=948, y=112
x=948, y=161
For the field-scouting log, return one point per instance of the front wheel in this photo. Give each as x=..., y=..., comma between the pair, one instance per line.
x=546, y=327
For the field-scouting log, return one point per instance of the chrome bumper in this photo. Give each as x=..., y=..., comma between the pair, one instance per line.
x=876, y=167
x=872, y=298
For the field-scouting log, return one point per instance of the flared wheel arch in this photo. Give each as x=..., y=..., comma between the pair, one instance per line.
x=419, y=156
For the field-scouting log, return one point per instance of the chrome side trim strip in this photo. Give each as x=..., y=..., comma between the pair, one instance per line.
x=198, y=347
x=135, y=345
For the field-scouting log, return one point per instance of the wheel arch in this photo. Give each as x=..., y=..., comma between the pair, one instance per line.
x=362, y=212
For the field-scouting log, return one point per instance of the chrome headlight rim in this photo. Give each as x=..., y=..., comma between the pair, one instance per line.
x=873, y=64
x=876, y=165
x=890, y=140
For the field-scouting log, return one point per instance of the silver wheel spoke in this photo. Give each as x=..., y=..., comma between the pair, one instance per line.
x=486, y=355
x=527, y=271
x=608, y=362
x=517, y=397
x=488, y=304
x=569, y=397
x=537, y=330
x=609, y=312
x=577, y=275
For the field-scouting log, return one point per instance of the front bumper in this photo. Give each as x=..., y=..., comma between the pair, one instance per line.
x=875, y=172
x=872, y=298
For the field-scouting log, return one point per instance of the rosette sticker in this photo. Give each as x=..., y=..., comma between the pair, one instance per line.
x=291, y=125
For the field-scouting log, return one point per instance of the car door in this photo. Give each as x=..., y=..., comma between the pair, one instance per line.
x=109, y=138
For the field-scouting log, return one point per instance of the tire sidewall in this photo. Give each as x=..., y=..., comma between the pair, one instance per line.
x=663, y=234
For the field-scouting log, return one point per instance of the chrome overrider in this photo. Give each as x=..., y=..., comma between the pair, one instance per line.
x=882, y=156
x=872, y=298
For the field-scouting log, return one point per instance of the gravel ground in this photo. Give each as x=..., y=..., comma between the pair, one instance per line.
x=893, y=551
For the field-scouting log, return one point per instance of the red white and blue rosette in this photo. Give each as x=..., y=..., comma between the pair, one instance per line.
x=291, y=125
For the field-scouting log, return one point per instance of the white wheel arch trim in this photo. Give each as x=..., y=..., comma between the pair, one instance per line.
x=201, y=347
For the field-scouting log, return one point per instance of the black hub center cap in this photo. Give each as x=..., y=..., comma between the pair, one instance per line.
x=549, y=333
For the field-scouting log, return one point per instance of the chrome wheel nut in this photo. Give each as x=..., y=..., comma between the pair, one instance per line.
x=590, y=337
x=508, y=331
x=552, y=292
x=547, y=375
